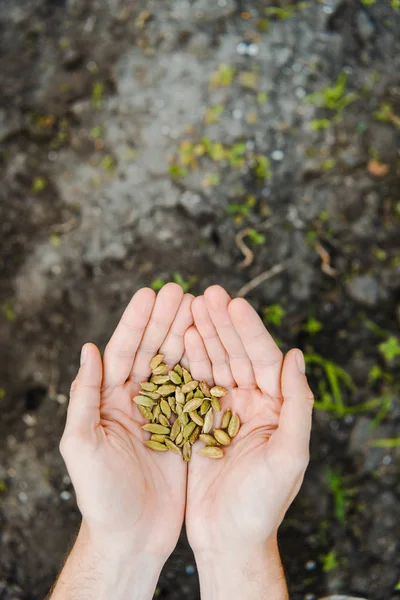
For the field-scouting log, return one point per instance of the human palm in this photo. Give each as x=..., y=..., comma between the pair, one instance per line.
x=122, y=487
x=240, y=500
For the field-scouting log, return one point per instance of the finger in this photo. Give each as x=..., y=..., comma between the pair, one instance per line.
x=296, y=413
x=217, y=302
x=261, y=349
x=197, y=357
x=120, y=351
x=84, y=405
x=216, y=352
x=173, y=346
x=162, y=317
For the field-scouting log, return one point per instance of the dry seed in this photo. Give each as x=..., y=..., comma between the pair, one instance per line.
x=193, y=404
x=205, y=388
x=175, y=429
x=183, y=418
x=178, y=409
x=179, y=439
x=179, y=396
x=193, y=438
x=174, y=377
x=208, y=440
x=165, y=408
x=156, y=446
x=187, y=451
x=208, y=421
x=148, y=386
x=204, y=408
x=196, y=418
x=216, y=404
x=144, y=401
x=146, y=412
x=222, y=437
x=156, y=360
x=218, y=391
x=171, y=446
x=186, y=375
x=211, y=452
x=156, y=437
x=189, y=387
x=160, y=379
x=198, y=394
x=162, y=419
x=152, y=395
x=226, y=417
x=178, y=369
x=166, y=390
x=188, y=429
x=189, y=396
x=156, y=428
x=234, y=426
x=171, y=400
x=160, y=370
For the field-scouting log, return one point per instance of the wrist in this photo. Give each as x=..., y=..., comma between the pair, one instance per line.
x=250, y=572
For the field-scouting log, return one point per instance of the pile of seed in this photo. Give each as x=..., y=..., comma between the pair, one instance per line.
x=181, y=410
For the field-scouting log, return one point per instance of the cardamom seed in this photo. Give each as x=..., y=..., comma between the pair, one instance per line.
x=178, y=369
x=234, y=426
x=218, y=391
x=162, y=419
x=204, y=408
x=205, y=388
x=187, y=451
x=171, y=446
x=189, y=387
x=156, y=446
x=156, y=360
x=148, y=386
x=175, y=429
x=222, y=437
x=178, y=409
x=159, y=379
x=198, y=394
x=183, y=418
x=144, y=401
x=196, y=418
x=216, y=404
x=179, y=439
x=152, y=395
x=195, y=435
x=146, y=412
x=174, y=377
x=208, y=421
x=226, y=417
x=179, y=396
x=160, y=370
x=208, y=440
x=165, y=408
x=193, y=405
x=211, y=452
x=189, y=396
x=156, y=437
x=166, y=390
x=156, y=412
x=188, y=429
x=156, y=428
x=186, y=375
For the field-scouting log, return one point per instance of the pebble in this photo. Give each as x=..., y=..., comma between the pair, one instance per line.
x=386, y=460
x=29, y=420
x=189, y=570
x=65, y=495
x=22, y=497
x=241, y=48
x=61, y=398
x=300, y=93
x=66, y=480
x=310, y=565
x=165, y=130
x=237, y=114
x=277, y=155
x=52, y=155
x=328, y=10
x=253, y=50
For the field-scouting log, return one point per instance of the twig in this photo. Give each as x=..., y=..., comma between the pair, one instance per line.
x=326, y=260
x=245, y=250
x=264, y=276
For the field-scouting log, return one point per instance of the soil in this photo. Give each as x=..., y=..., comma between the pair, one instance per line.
x=133, y=142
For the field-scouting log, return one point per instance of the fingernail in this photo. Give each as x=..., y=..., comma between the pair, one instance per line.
x=83, y=354
x=301, y=363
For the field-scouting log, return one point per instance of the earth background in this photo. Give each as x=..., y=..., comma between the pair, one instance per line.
x=143, y=142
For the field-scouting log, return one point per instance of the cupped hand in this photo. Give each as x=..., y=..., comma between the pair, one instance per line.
x=127, y=494
x=236, y=503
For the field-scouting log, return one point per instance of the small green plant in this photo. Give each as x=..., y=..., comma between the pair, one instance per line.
x=243, y=210
x=341, y=495
x=108, y=163
x=211, y=180
x=317, y=124
x=39, y=184
x=55, y=240
x=97, y=95
x=96, y=132
x=329, y=561
x=255, y=237
x=284, y=12
x=213, y=113
x=186, y=284
x=385, y=409
x=157, y=284
x=385, y=443
x=368, y=2
x=223, y=76
x=262, y=97
x=334, y=97
x=2, y=393
x=262, y=167
x=312, y=326
x=390, y=349
x=332, y=385
x=177, y=171
x=249, y=80
x=8, y=311
x=274, y=314
x=384, y=113
x=375, y=373
x=236, y=155
x=328, y=164
x=3, y=486
x=395, y=4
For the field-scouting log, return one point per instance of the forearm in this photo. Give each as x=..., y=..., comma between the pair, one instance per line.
x=95, y=571
x=253, y=575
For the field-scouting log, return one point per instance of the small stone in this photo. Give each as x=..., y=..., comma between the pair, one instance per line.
x=22, y=497
x=61, y=398
x=242, y=48
x=365, y=26
x=195, y=205
x=364, y=289
x=29, y=420
x=386, y=460
x=189, y=570
x=72, y=58
x=165, y=130
x=277, y=155
x=65, y=496
x=310, y=565
x=253, y=50
x=237, y=114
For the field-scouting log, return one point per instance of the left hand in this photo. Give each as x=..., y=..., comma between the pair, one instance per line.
x=132, y=500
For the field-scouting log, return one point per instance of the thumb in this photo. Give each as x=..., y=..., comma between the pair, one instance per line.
x=84, y=405
x=296, y=413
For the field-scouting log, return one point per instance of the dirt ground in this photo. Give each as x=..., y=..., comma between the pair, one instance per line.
x=154, y=141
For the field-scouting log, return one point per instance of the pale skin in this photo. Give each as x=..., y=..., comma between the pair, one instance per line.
x=134, y=501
